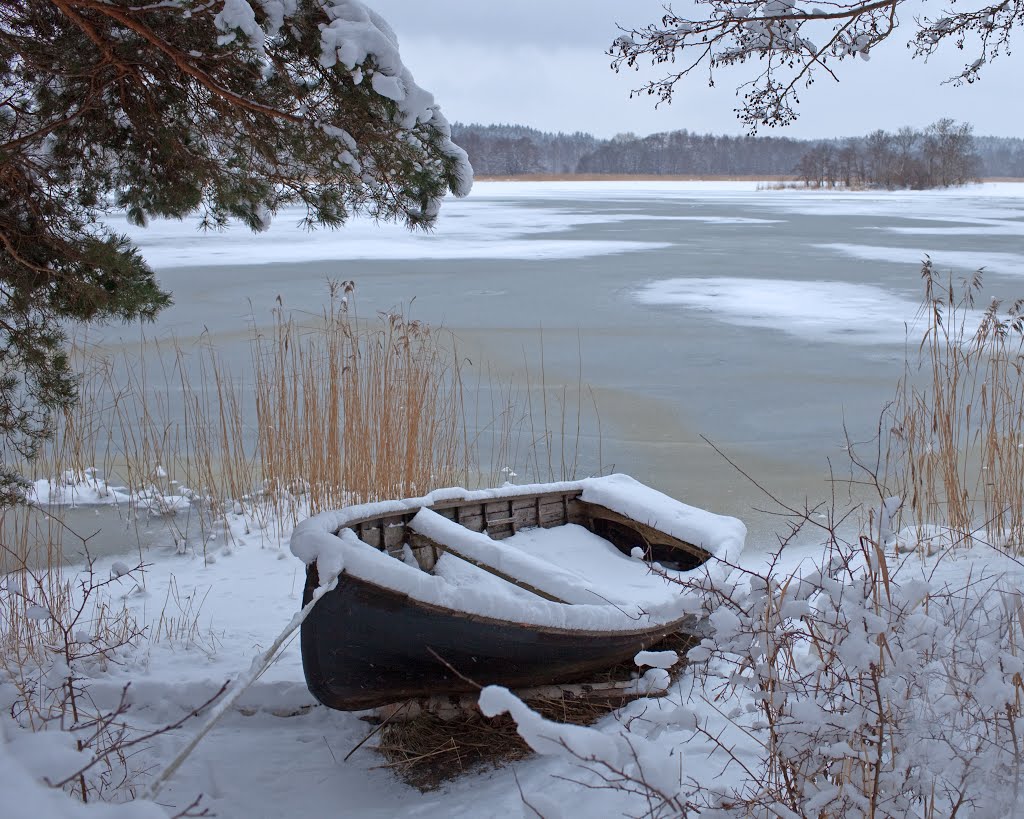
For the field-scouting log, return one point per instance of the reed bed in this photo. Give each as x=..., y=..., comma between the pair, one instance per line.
x=349, y=412
x=952, y=441
x=333, y=409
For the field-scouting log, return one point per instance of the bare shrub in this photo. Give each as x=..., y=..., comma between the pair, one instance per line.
x=56, y=634
x=61, y=630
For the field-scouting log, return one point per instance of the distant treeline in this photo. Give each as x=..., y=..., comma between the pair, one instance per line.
x=512, y=150
x=941, y=155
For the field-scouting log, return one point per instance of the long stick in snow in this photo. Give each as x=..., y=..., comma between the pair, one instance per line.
x=238, y=686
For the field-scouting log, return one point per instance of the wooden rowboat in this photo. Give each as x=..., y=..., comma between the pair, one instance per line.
x=521, y=586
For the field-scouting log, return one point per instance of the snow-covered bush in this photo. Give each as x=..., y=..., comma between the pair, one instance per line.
x=853, y=688
x=879, y=691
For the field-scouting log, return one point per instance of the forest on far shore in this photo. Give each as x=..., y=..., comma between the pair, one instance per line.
x=943, y=153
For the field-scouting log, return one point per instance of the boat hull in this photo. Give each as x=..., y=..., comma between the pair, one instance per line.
x=365, y=646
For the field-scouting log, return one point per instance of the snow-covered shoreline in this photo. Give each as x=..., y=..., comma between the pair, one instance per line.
x=209, y=604
x=278, y=748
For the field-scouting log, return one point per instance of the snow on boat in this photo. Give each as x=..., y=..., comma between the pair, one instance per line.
x=522, y=586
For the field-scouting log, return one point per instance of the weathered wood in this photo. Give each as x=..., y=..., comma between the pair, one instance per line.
x=651, y=535
x=576, y=512
x=419, y=541
x=472, y=517
x=395, y=529
x=502, y=518
x=505, y=515
x=370, y=534
x=552, y=514
x=426, y=553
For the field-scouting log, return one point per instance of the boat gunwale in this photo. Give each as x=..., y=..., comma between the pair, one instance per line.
x=566, y=495
x=441, y=505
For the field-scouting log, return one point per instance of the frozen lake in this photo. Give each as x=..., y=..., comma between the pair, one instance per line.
x=761, y=319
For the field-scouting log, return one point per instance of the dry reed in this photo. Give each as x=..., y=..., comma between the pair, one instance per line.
x=952, y=441
x=350, y=412
x=333, y=410
x=330, y=410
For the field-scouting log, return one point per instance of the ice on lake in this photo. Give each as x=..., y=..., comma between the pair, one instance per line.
x=764, y=320
x=814, y=311
x=914, y=249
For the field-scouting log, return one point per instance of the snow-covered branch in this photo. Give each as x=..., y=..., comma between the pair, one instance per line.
x=858, y=686
x=793, y=42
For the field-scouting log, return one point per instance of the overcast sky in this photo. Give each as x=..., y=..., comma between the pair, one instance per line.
x=542, y=63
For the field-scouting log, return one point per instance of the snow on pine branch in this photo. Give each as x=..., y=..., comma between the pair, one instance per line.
x=361, y=41
x=794, y=42
x=269, y=102
x=354, y=36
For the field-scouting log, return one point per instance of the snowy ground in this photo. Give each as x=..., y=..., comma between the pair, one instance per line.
x=232, y=603
x=208, y=616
